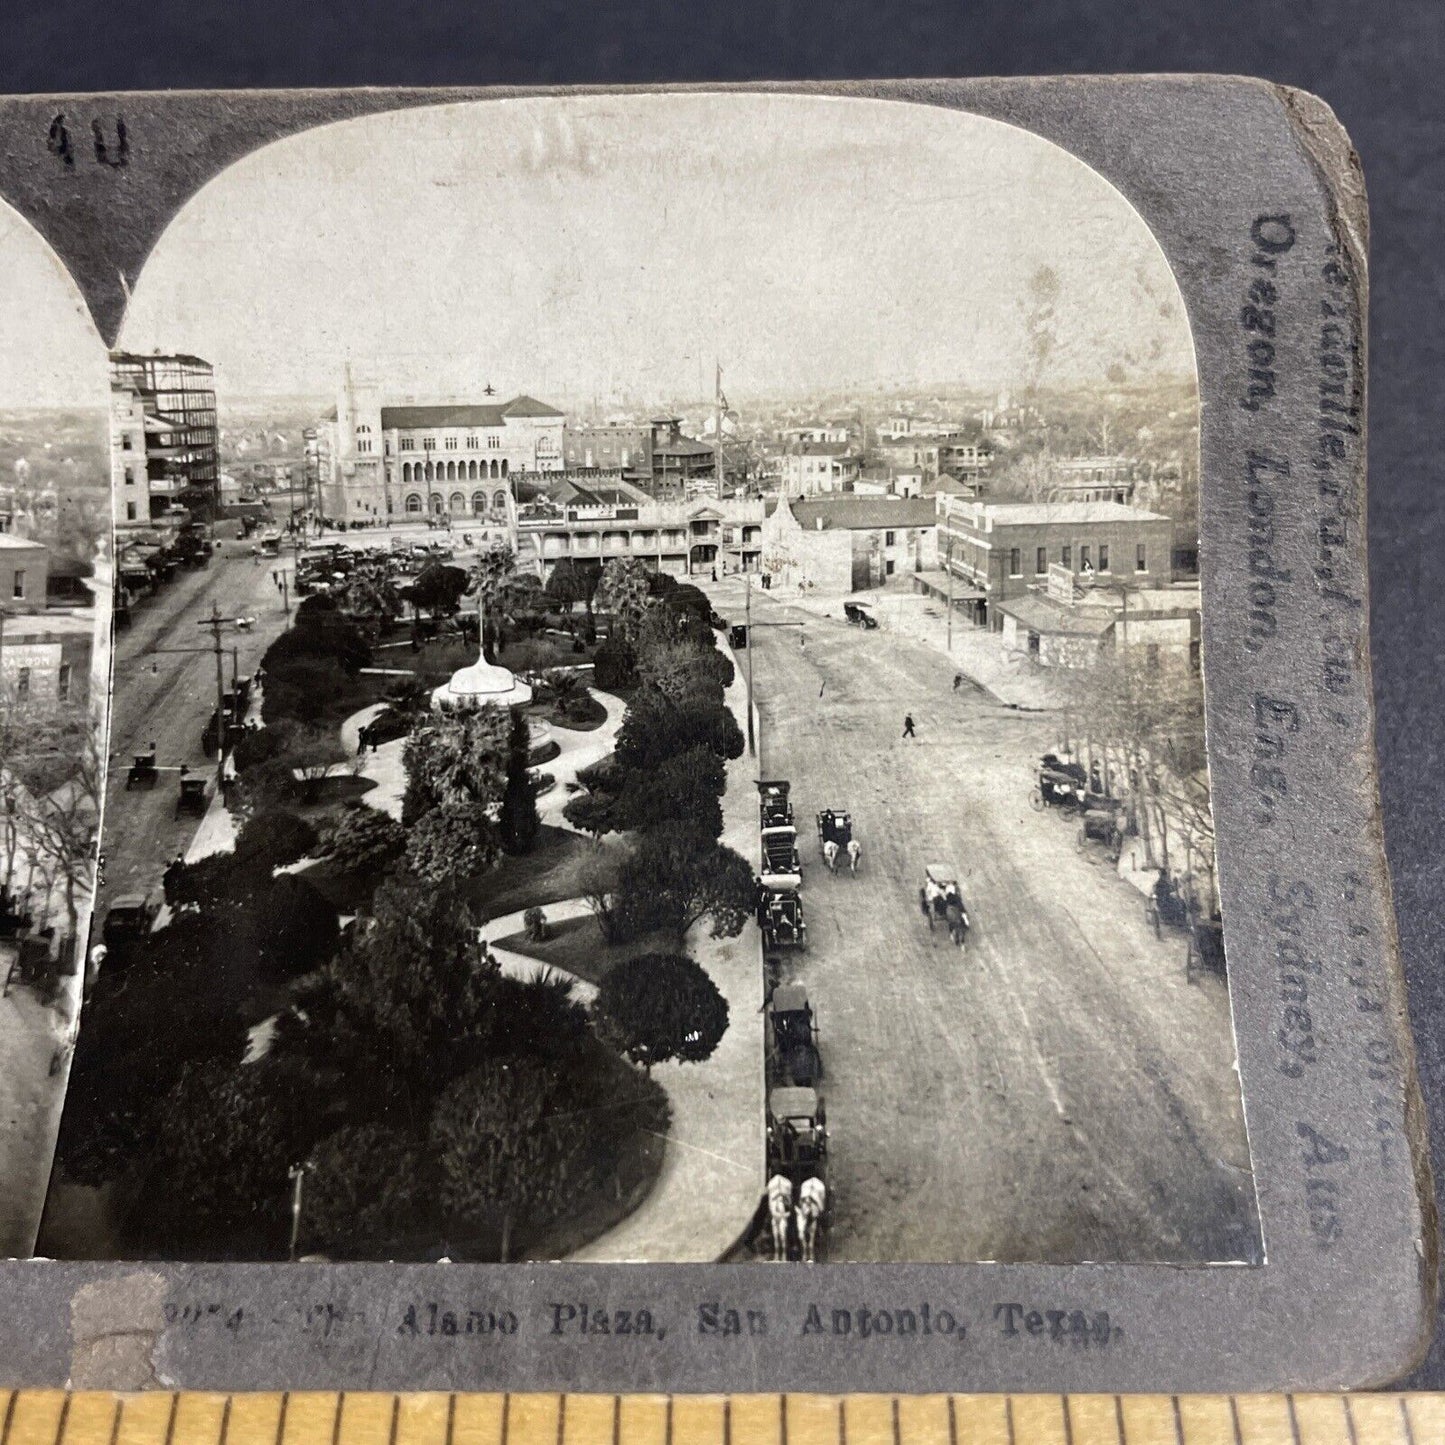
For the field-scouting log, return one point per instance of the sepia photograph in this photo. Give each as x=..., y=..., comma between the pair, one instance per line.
x=656, y=707
x=55, y=585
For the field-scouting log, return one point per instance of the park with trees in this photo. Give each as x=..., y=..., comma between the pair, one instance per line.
x=320, y=1000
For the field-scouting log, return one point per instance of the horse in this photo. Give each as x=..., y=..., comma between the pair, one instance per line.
x=957, y=917
x=855, y=855
x=830, y=855
x=780, y=1206
x=812, y=1199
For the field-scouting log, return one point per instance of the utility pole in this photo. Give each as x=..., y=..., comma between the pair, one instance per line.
x=279, y=578
x=948, y=564
x=216, y=622
x=748, y=583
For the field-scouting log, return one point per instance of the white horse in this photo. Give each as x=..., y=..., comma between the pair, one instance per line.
x=855, y=854
x=812, y=1199
x=780, y=1206
x=830, y=855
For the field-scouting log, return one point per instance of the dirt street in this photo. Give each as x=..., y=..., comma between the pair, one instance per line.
x=167, y=697
x=1056, y=1093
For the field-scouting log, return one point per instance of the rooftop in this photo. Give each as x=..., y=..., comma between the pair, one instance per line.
x=483, y=415
x=10, y=542
x=855, y=513
x=1028, y=514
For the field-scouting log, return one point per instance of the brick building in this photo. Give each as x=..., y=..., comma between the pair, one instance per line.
x=1001, y=550
x=163, y=436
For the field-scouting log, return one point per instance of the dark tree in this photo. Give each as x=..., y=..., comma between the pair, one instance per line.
x=452, y=842
x=614, y=665
x=364, y=840
x=294, y=928
x=656, y=729
x=519, y=822
x=686, y=788
x=439, y=589
x=406, y=999
x=565, y=586
x=511, y=1146
x=591, y=813
x=220, y=1173
x=273, y=838
x=365, y=1191
x=675, y=877
x=663, y=1006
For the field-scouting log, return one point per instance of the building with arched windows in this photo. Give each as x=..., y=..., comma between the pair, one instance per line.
x=389, y=462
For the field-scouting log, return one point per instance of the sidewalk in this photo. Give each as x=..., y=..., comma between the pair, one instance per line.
x=518, y=965
x=712, y=1167
x=977, y=653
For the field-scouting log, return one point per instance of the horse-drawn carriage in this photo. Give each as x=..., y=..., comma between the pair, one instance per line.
x=780, y=911
x=1060, y=784
x=793, y=1057
x=941, y=899
x=773, y=805
x=143, y=772
x=797, y=1133
x=192, y=796
x=1204, y=952
x=835, y=839
x=859, y=616
x=779, y=844
x=1165, y=905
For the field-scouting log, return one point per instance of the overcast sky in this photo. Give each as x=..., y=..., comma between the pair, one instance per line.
x=616, y=245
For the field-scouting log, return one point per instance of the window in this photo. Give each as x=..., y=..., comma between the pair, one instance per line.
x=1041, y=561
x=1141, y=560
x=413, y=503
x=1015, y=562
x=888, y=539
x=451, y=444
x=1066, y=556
x=130, y=511
x=471, y=444
x=1103, y=556
x=1085, y=565
x=22, y=683
x=20, y=583
x=428, y=444
x=494, y=442
x=62, y=687
x=407, y=444
x=888, y=568
x=127, y=442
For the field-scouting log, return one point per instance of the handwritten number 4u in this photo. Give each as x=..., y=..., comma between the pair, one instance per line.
x=108, y=152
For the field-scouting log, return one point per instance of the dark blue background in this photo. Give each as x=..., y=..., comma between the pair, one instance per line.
x=1380, y=65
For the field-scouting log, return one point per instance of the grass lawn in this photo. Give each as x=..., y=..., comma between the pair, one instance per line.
x=585, y=716
x=552, y=871
x=577, y=945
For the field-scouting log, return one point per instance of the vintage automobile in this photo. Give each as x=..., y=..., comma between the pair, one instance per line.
x=780, y=911
x=1102, y=821
x=128, y=918
x=143, y=772
x=858, y=616
x=779, y=844
x=1060, y=784
x=192, y=796
x=793, y=1056
x=773, y=804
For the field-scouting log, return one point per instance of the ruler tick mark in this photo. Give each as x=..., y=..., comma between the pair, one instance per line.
x=1178, y=1421
x=64, y=1416
x=115, y=1420
x=506, y=1415
x=1068, y=1422
x=1350, y=1420
x=9, y=1416
x=336, y=1418
x=1405, y=1416
x=1008, y=1415
x=952, y=1422
x=171, y=1418
x=396, y=1419
x=1234, y=1420
x=225, y=1421
x=1293, y=1419
x=281, y=1418
x=562, y=1416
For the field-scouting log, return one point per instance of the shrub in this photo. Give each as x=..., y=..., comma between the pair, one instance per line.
x=614, y=665
x=364, y=1191
x=275, y=837
x=663, y=1006
x=535, y=921
x=364, y=839
x=293, y=926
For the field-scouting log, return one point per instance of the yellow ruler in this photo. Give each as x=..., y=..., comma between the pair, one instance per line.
x=53, y=1417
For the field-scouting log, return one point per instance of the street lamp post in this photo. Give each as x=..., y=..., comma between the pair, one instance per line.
x=748, y=584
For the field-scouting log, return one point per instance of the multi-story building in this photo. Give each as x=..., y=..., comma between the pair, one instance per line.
x=1094, y=479
x=848, y=543
x=163, y=437
x=379, y=461
x=809, y=468
x=1001, y=550
x=681, y=538
x=834, y=432
x=963, y=458
x=678, y=460
x=607, y=445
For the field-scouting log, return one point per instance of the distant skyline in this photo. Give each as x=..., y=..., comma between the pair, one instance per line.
x=613, y=246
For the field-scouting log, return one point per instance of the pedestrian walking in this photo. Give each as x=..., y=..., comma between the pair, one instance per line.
x=714, y=574
x=957, y=681
x=908, y=726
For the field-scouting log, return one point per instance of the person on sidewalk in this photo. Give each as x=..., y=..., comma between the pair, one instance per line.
x=957, y=681
x=908, y=726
